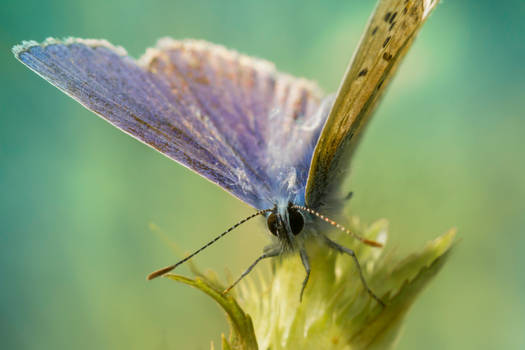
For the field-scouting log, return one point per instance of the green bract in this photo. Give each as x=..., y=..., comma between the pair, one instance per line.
x=336, y=312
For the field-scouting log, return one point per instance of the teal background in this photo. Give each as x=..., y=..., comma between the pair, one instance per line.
x=86, y=211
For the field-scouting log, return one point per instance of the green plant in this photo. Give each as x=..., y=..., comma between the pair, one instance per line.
x=264, y=311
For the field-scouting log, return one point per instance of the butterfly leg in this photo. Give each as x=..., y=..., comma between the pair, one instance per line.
x=306, y=264
x=349, y=196
x=268, y=254
x=350, y=252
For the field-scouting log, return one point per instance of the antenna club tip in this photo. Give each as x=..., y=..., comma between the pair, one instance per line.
x=372, y=243
x=159, y=273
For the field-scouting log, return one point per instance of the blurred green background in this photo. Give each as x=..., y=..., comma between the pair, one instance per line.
x=87, y=212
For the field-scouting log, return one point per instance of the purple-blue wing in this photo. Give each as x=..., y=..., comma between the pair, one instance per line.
x=231, y=118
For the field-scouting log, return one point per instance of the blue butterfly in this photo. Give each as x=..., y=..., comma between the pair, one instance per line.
x=272, y=140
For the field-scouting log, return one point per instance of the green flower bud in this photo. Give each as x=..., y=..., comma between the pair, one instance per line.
x=336, y=311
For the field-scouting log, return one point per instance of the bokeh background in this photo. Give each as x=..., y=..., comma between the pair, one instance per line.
x=86, y=211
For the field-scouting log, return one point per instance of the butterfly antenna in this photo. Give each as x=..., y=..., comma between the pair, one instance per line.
x=167, y=269
x=340, y=227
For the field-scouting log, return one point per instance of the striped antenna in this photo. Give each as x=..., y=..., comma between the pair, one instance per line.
x=167, y=269
x=340, y=227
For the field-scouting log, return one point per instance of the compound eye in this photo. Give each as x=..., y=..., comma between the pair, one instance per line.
x=272, y=223
x=296, y=221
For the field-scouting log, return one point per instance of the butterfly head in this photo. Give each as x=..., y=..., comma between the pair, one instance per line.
x=285, y=222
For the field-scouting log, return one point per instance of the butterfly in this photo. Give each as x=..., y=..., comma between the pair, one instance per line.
x=272, y=140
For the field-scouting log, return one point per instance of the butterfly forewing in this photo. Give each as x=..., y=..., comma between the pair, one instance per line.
x=389, y=34
x=219, y=113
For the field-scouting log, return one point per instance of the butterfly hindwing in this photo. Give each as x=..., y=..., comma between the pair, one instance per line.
x=224, y=115
x=390, y=32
